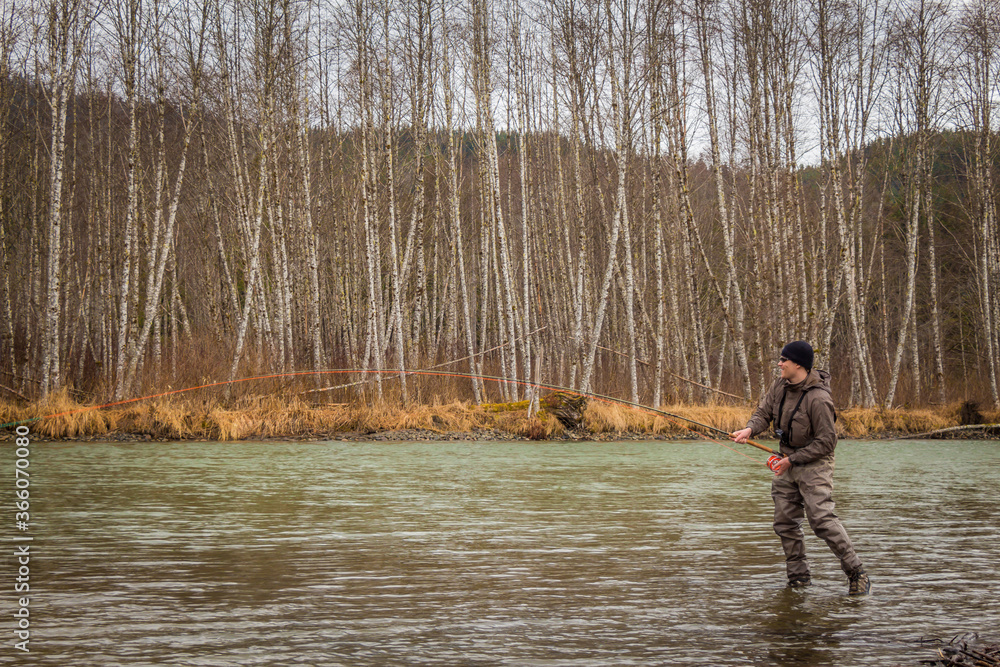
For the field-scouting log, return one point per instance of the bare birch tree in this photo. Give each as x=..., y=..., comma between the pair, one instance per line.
x=849, y=59
x=917, y=41
x=618, y=59
x=126, y=18
x=10, y=28
x=67, y=22
x=706, y=22
x=979, y=41
x=482, y=37
x=166, y=200
x=454, y=198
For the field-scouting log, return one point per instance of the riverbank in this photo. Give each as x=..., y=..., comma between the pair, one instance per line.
x=274, y=417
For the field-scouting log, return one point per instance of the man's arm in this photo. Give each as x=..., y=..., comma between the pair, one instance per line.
x=762, y=416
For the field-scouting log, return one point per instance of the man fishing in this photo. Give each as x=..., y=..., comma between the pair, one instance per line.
x=800, y=404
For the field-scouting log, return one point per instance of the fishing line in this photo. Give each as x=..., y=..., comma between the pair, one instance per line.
x=389, y=372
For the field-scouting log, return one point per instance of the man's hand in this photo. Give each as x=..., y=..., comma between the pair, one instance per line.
x=741, y=436
x=781, y=466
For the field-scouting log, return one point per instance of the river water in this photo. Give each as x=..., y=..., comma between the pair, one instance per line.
x=631, y=553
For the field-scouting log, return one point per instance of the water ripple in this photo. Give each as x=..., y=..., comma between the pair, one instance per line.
x=486, y=554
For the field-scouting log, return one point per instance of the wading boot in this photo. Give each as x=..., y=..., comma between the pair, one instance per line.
x=800, y=581
x=859, y=583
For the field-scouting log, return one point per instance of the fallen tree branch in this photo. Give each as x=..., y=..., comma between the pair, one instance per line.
x=966, y=650
x=22, y=397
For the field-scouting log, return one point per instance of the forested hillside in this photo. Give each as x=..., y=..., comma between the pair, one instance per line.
x=644, y=199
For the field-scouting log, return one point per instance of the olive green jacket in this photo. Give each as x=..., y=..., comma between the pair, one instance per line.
x=813, y=429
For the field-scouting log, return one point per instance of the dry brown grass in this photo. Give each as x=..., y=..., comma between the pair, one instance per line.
x=268, y=417
x=224, y=424
x=875, y=422
x=603, y=417
x=68, y=419
x=453, y=417
x=285, y=414
x=542, y=426
x=723, y=417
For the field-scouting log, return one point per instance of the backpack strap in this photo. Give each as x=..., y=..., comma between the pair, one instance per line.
x=781, y=407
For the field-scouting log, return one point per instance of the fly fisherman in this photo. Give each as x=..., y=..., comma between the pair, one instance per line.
x=800, y=404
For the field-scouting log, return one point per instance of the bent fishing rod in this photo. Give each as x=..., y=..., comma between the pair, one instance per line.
x=578, y=392
x=398, y=371
x=664, y=413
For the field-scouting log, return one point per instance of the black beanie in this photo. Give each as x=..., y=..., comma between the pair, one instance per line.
x=800, y=352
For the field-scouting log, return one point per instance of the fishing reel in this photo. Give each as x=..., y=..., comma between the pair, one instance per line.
x=773, y=460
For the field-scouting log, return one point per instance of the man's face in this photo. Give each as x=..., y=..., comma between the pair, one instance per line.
x=789, y=369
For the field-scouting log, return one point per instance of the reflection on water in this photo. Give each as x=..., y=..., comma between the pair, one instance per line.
x=486, y=553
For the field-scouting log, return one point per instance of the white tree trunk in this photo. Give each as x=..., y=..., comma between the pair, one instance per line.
x=456, y=220
x=909, y=294
x=64, y=29
x=705, y=18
